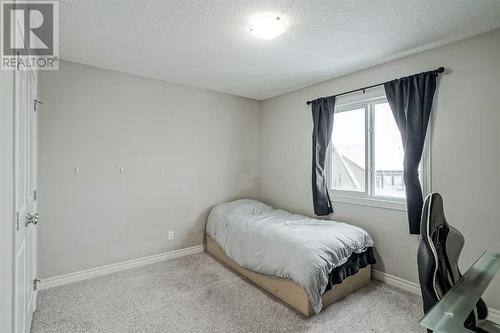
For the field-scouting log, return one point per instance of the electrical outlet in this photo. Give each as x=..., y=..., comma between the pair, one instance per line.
x=170, y=235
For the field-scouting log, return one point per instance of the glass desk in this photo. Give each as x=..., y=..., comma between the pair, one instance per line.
x=450, y=313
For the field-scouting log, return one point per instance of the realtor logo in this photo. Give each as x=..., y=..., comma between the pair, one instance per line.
x=30, y=35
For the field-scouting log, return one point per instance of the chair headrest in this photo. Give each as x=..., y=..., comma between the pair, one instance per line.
x=432, y=215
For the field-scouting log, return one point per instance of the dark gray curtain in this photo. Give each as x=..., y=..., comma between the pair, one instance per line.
x=410, y=99
x=322, y=112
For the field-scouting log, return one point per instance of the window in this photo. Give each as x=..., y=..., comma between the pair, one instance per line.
x=388, y=152
x=365, y=162
x=348, y=158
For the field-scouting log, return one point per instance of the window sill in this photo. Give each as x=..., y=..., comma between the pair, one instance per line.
x=369, y=202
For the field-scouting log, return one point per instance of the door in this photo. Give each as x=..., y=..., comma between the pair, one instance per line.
x=25, y=174
x=32, y=90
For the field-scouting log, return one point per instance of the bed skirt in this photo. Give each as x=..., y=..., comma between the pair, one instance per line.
x=352, y=266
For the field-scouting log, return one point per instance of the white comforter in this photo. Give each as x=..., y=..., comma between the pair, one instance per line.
x=274, y=242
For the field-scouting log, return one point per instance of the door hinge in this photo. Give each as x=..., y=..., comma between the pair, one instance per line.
x=35, y=284
x=34, y=195
x=17, y=220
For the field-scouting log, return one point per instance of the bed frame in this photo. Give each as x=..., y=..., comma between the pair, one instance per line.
x=287, y=290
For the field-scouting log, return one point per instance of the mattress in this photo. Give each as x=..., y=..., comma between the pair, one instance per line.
x=316, y=254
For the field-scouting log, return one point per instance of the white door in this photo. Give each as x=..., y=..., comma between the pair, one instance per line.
x=25, y=142
x=32, y=227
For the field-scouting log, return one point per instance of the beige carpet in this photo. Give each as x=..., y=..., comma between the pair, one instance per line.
x=196, y=294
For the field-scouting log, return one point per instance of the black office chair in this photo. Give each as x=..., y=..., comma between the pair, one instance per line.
x=438, y=255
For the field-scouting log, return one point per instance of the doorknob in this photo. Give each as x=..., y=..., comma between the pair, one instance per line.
x=31, y=218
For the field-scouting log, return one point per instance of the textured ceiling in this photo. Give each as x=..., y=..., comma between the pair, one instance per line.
x=207, y=43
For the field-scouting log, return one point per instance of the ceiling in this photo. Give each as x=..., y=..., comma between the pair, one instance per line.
x=207, y=43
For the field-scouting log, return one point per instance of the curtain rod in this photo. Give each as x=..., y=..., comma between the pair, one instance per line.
x=439, y=70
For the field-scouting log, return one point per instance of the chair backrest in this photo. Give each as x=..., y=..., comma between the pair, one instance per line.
x=438, y=256
x=438, y=252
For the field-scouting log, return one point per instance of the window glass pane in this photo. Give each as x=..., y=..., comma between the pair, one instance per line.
x=348, y=154
x=388, y=153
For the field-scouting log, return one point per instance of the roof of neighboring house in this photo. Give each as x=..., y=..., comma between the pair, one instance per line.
x=356, y=155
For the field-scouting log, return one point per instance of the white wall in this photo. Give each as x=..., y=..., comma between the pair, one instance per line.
x=100, y=121
x=6, y=197
x=465, y=153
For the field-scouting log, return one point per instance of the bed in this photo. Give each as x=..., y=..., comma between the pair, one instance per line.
x=307, y=263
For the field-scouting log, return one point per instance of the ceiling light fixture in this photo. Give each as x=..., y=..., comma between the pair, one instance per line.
x=267, y=26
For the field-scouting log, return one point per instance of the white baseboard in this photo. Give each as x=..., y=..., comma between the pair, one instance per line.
x=397, y=282
x=414, y=288
x=494, y=315
x=112, y=268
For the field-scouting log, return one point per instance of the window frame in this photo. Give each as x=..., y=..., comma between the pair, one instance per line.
x=368, y=100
